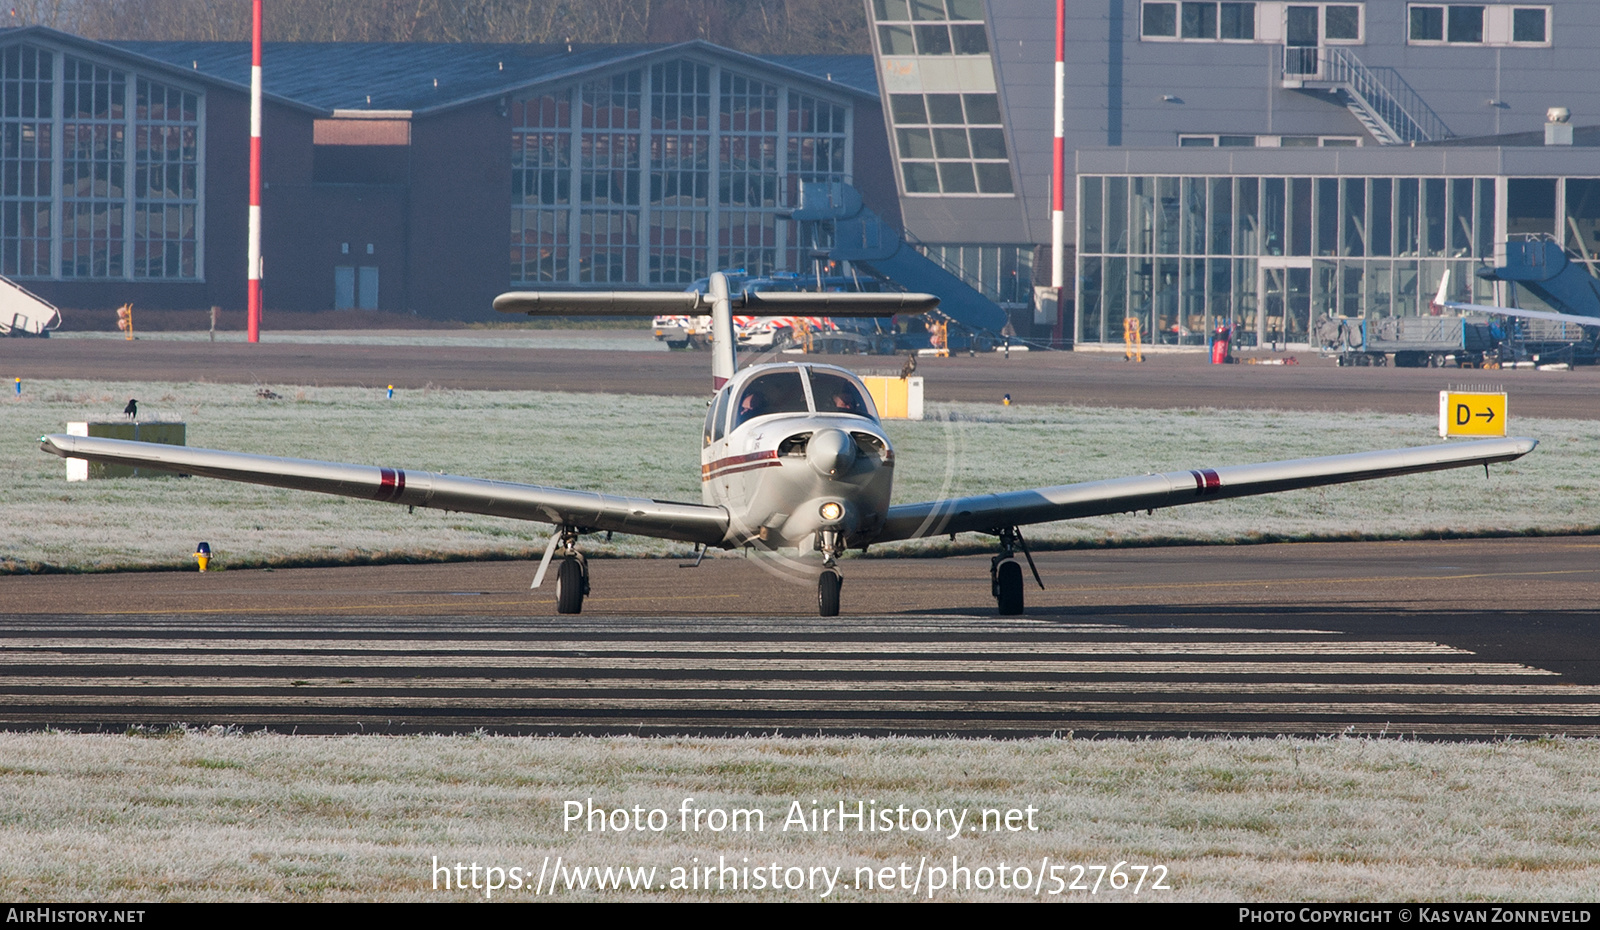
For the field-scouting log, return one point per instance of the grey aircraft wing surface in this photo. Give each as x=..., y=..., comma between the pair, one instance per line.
x=697, y=523
x=993, y=512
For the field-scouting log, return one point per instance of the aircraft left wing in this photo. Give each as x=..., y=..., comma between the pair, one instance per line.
x=992, y=512
x=695, y=523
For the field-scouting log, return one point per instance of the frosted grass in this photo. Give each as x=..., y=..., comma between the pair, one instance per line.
x=649, y=446
x=209, y=817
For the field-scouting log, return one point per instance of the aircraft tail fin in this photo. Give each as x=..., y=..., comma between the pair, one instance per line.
x=724, y=361
x=1437, y=306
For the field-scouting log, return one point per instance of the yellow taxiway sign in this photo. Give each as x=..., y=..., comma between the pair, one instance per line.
x=1472, y=413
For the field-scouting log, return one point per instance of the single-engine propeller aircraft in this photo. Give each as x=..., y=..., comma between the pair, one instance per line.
x=792, y=457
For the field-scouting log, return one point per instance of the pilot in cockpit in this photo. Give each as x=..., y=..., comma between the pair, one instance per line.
x=846, y=400
x=753, y=404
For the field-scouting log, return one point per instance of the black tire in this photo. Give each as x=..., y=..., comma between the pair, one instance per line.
x=1008, y=589
x=569, y=587
x=828, y=593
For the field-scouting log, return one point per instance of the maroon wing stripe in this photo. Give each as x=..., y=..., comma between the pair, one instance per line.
x=391, y=484
x=1206, y=481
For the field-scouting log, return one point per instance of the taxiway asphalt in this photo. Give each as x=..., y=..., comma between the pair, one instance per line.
x=1450, y=639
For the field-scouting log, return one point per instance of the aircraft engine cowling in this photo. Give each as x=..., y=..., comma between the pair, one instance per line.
x=831, y=452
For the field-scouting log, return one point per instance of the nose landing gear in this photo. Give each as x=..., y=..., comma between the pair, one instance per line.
x=829, y=581
x=1005, y=572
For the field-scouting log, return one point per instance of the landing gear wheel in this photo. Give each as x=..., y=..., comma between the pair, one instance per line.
x=828, y=593
x=1008, y=588
x=571, y=586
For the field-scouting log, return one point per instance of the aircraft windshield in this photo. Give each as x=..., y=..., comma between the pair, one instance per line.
x=778, y=392
x=837, y=394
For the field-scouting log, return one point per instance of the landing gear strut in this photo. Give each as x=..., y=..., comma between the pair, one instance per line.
x=1005, y=572
x=572, y=576
x=829, y=581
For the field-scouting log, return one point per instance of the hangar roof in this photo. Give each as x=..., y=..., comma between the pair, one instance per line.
x=427, y=77
x=424, y=77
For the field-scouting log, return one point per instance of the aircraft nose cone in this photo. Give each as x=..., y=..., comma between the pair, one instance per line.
x=831, y=452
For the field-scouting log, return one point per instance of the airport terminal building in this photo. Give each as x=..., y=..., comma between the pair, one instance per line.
x=1263, y=163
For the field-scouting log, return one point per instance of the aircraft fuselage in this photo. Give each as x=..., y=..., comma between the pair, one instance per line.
x=796, y=455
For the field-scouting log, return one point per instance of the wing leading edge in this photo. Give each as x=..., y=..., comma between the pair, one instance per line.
x=696, y=523
x=991, y=512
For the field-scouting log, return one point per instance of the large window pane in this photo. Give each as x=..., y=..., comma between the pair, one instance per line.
x=1194, y=216
x=1167, y=217
x=1355, y=217
x=1327, y=216
x=1221, y=240
x=1407, y=242
x=1531, y=206
x=1427, y=24
x=1141, y=198
x=1160, y=20
x=1381, y=241
x=1247, y=217
x=1117, y=215
x=1090, y=223
x=1528, y=25
x=1089, y=300
x=1341, y=22
x=1274, y=206
x=1300, y=216
x=1199, y=21
x=1465, y=23
x=1434, y=216
x=1237, y=21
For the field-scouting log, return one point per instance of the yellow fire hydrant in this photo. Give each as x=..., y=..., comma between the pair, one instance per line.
x=202, y=555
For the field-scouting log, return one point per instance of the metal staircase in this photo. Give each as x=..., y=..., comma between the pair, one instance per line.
x=863, y=239
x=1379, y=97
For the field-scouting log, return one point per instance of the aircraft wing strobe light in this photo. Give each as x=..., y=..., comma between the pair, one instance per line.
x=793, y=458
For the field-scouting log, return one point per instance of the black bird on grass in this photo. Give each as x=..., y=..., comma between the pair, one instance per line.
x=132, y=410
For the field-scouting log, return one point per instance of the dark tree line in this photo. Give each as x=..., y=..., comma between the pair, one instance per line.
x=755, y=26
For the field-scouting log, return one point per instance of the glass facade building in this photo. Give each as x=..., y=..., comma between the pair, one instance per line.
x=1272, y=255
x=654, y=175
x=101, y=171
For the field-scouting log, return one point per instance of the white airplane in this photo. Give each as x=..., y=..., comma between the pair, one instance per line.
x=792, y=457
x=1439, y=303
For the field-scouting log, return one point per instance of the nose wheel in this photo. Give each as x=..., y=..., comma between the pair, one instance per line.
x=828, y=584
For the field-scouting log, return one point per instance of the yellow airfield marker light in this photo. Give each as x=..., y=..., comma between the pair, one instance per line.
x=391, y=393
x=1472, y=413
x=19, y=386
x=202, y=555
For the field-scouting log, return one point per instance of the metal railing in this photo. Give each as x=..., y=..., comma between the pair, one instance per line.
x=1381, y=92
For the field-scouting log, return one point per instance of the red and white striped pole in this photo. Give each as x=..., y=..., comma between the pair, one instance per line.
x=253, y=276
x=1058, y=215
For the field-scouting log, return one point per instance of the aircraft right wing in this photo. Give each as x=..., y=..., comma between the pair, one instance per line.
x=992, y=512
x=697, y=523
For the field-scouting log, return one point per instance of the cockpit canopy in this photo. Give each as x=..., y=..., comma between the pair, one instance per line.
x=802, y=389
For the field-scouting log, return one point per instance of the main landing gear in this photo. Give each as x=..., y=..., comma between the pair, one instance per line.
x=830, y=580
x=1005, y=572
x=572, y=575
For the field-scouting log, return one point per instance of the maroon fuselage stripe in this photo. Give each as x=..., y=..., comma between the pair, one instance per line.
x=734, y=462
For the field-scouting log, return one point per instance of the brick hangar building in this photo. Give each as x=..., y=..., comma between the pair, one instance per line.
x=415, y=178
